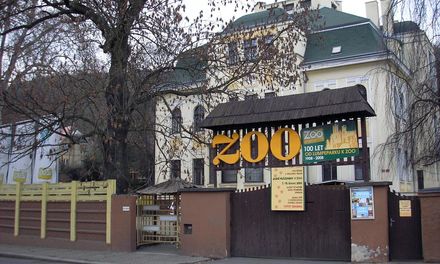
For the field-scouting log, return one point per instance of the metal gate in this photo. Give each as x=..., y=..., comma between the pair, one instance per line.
x=405, y=227
x=157, y=220
x=320, y=232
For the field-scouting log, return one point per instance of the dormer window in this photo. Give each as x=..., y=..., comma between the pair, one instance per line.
x=336, y=49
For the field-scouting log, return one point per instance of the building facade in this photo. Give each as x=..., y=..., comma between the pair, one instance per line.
x=340, y=50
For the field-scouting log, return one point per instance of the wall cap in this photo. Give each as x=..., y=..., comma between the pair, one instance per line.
x=191, y=190
x=362, y=184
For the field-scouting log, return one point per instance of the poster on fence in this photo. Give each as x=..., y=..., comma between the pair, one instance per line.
x=287, y=192
x=46, y=162
x=20, y=167
x=362, y=203
x=330, y=142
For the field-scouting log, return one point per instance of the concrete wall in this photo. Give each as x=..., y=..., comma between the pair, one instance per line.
x=369, y=237
x=430, y=214
x=205, y=224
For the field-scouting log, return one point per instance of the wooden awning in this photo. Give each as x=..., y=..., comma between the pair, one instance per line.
x=168, y=187
x=348, y=102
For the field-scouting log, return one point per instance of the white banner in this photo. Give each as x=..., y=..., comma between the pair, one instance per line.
x=20, y=168
x=46, y=163
x=5, y=145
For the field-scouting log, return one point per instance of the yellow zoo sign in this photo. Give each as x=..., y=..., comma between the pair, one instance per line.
x=245, y=150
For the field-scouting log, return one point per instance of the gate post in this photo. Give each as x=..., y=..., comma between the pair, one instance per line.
x=123, y=219
x=430, y=218
x=370, y=237
x=206, y=219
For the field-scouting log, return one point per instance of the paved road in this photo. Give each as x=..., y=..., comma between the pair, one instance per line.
x=6, y=260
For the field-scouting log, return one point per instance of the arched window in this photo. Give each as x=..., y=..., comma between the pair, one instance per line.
x=176, y=121
x=199, y=115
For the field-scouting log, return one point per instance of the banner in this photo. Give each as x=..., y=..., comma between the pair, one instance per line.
x=20, y=168
x=5, y=145
x=329, y=142
x=362, y=203
x=46, y=163
x=287, y=192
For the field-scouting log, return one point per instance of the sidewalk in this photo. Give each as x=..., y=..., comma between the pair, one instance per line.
x=162, y=254
x=145, y=255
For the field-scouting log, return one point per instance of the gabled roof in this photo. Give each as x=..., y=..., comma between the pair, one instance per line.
x=299, y=108
x=354, y=41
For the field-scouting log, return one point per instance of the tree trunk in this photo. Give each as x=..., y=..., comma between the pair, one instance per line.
x=118, y=116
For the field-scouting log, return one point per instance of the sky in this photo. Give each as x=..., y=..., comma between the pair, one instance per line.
x=356, y=7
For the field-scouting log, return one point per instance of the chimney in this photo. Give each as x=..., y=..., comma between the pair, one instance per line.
x=259, y=6
x=387, y=17
x=372, y=10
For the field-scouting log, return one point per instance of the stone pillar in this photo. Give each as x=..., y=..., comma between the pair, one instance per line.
x=123, y=223
x=205, y=222
x=369, y=237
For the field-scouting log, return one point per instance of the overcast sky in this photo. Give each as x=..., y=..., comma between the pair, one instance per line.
x=356, y=7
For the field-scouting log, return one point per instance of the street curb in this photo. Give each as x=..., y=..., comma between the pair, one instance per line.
x=27, y=256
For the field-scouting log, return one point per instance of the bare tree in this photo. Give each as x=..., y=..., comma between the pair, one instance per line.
x=115, y=57
x=413, y=97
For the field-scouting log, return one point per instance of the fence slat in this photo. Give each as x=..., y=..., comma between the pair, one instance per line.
x=43, y=211
x=73, y=211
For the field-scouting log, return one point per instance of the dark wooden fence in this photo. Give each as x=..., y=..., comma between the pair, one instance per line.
x=322, y=231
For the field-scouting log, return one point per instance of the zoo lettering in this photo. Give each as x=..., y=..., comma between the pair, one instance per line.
x=263, y=146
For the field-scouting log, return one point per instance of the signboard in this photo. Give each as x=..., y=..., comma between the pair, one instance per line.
x=287, y=189
x=275, y=146
x=405, y=208
x=330, y=142
x=362, y=203
x=46, y=162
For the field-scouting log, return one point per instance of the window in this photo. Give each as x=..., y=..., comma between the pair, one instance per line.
x=175, y=169
x=253, y=174
x=176, y=122
x=233, y=98
x=229, y=176
x=269, y=94
x=305, y=4
x=329, y=172
x=289, y=7
x=233, y=53
x=420, y=180
x=199, y=115
x=250, y=49
x=198, y=171
x=269, y=48
x=358, y=173
x=250, y=97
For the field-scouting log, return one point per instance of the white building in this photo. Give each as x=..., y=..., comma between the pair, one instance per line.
x=341, y=50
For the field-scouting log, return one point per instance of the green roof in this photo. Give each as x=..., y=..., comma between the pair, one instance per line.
x=265, y=17
x=354, y=41
x=330, y=18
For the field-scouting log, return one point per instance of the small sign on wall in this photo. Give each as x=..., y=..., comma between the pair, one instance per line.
x=362, y=203
x=125, y=208
x=405, y=208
